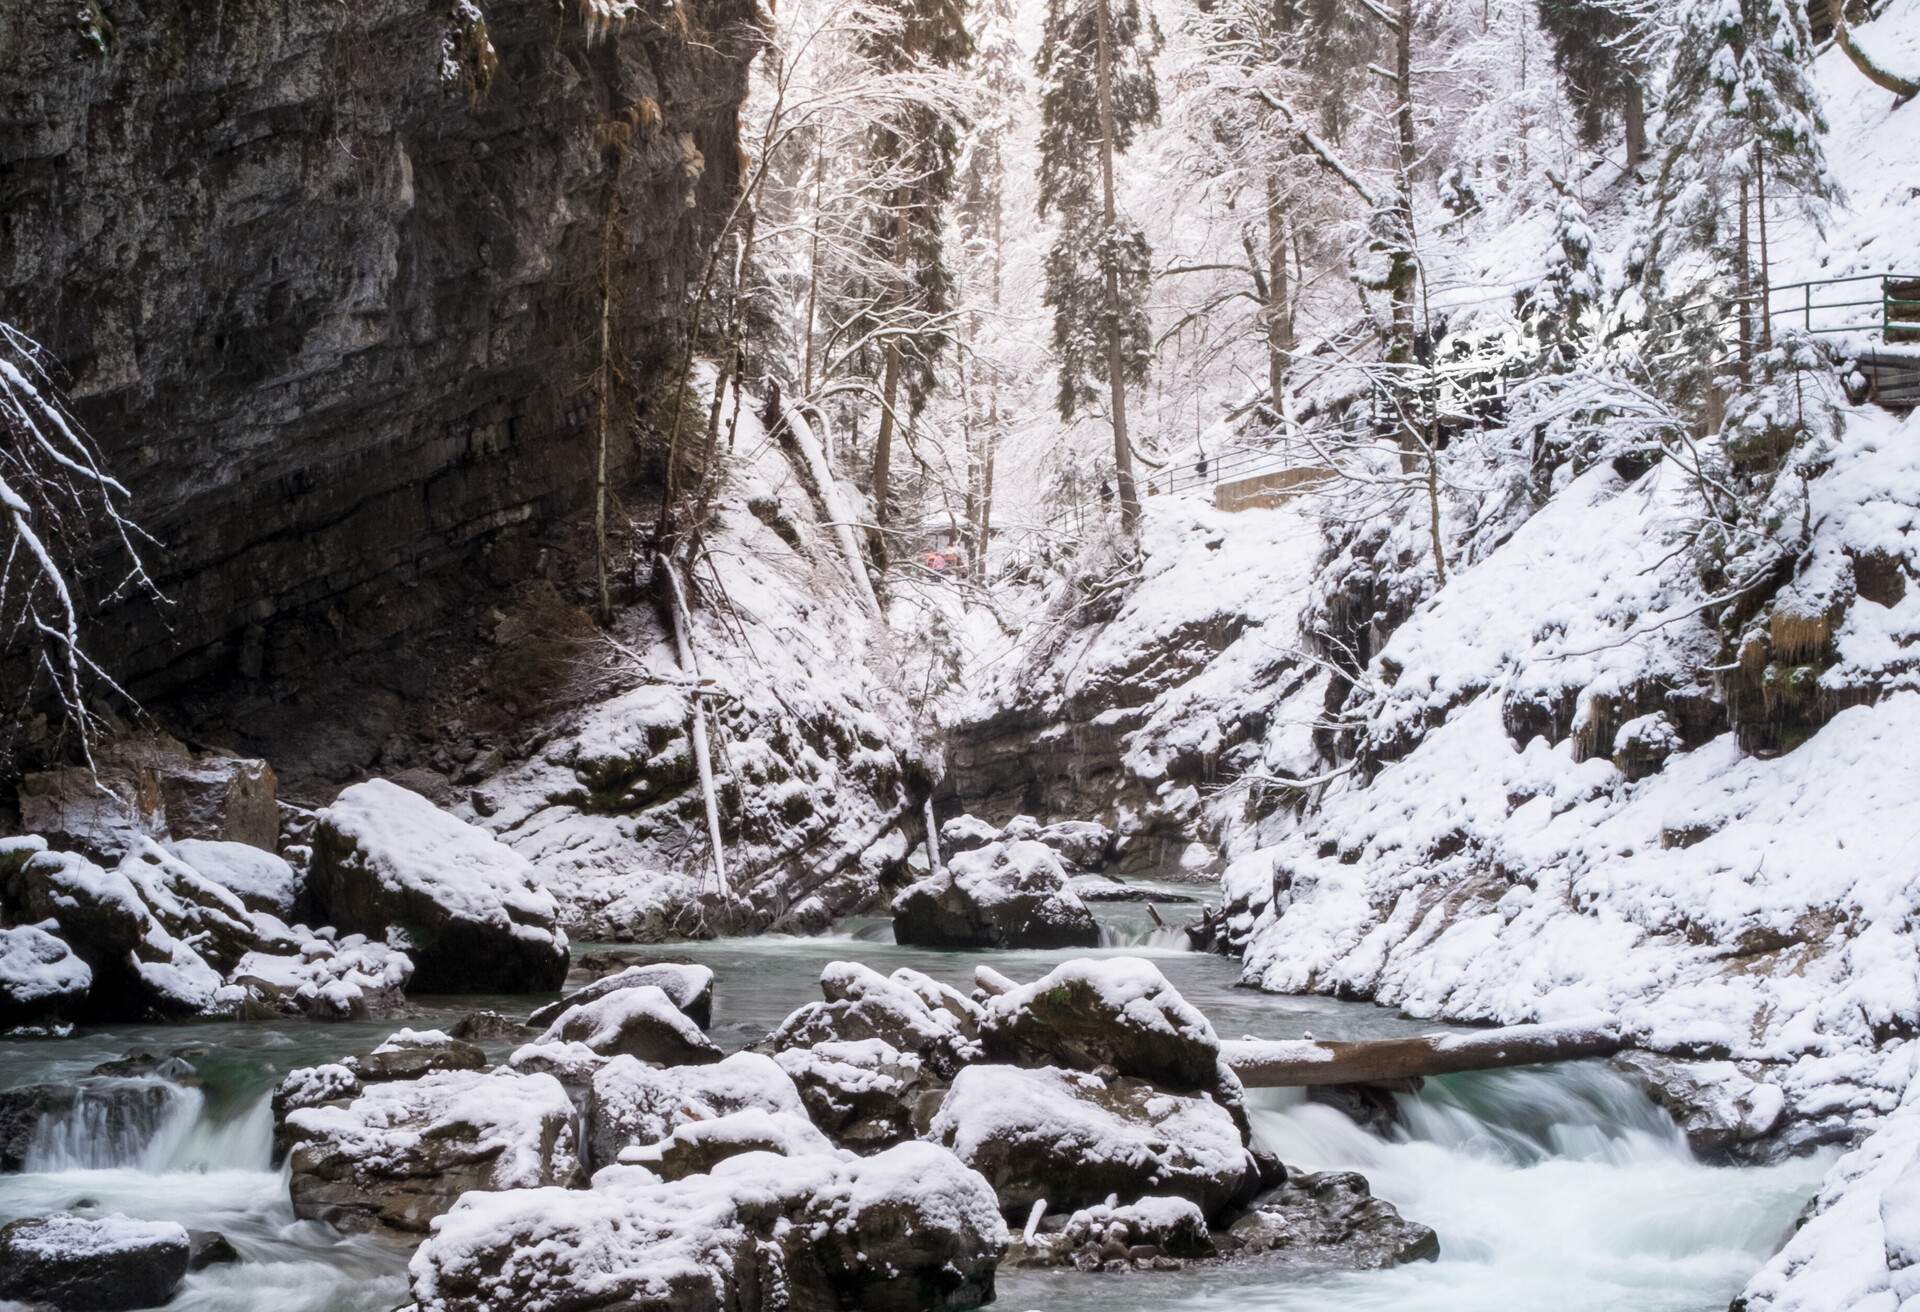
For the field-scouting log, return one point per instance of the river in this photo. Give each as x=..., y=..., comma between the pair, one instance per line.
x=1557, y=1188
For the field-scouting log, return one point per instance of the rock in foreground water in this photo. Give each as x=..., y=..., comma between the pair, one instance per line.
x=78, y=1264
x=905, y=1231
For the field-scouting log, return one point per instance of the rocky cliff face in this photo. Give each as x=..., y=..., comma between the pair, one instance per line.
x=324, y=277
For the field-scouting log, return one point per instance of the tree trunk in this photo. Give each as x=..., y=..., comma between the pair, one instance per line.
x=1743, y=274
x=1280, y=338
x=813, y=274
x=1304, y=1063
x=1116, y=355
x=1402, y=270
x=603, y=384
x=1905, y=88
x=890, y=395
x=1635, y=113
x=1760, y=213
x=702, y=751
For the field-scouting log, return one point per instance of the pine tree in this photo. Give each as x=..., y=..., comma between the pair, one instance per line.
x=1098, y=92
x=1594, y=49
x=1564, y=302
x=913, y=151
x=1743, y=120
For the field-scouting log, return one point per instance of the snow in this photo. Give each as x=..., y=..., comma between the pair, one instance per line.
x=751, y=1128
x=411, y=846
x=605, y=1022
x=261, y=880
x=325, y=978
x=35, y=966
x=1130, y=989
x=68, y=1236
x=648, y=1103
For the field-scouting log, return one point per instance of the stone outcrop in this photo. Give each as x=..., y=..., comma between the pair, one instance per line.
x=639, y=1022
x=320, y=277
x=689, y=988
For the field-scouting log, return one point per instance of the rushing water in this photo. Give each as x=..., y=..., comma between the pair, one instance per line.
x=1558, y=1187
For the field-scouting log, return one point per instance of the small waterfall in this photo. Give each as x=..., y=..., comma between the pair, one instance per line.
x=1143, y=934
x=114, y=1123
x=148, y=1125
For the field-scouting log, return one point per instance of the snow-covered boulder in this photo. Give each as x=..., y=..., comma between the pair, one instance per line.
x=631, y=1104
x=1085, y=844
x=903, y=1231
x=965, y=1012
x=1074, y=1139
x=1333, y=1221
x=98, y=1264
x=698, y=1146
x=260, y=879
x=408, y=1054
x=1120, y=1012
x=861, y=1093
x=351, y=979
x=1003, y=895
x=688, y=987
x=42, y=984
x=141, y=968
x=861, y=1004
x=965, y=833
x=475, y=917
x=640, y=1022
x=400, y=1153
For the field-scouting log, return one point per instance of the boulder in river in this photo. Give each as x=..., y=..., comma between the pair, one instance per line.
x=631, y=1104
x=400, y=1153
x=1083, y=844
x=1003, y=895
x=352, y=979
x=688, y=987
x=1119, y=1012
x=698, y=1146
x=904, y=1231
x=640, y=1022
x=1074, y=1139
x=475, y=917
x=82, y=1264
x=861, y=1003
x=42, y=983
x=1332, y=1220
x=409, y=1054
x=862, y=1093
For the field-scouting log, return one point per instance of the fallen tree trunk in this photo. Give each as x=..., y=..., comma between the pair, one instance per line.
x=1301, y=1063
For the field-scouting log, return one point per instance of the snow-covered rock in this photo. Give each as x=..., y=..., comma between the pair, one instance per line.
x=965, y=833
x=475, y=916
x=903, y=1231
x=260, y=879
x=860, y=1003
x=688, y=987
x=640, y=1021
x=1084, y=844
x=408, y=1054
x=1004, y=895
x=1723, y=1111
x=106, y=1263
x=698, y=1146
x=1151, y=1231
x=141, y=969
x=862, y=1093
x=42, y=983
x=351, y=979
x=630, y=1104
x=108, y=1118
x=1119, y=1012
x=1332, y=1220
x=400, y=1153
x=1073, y=1138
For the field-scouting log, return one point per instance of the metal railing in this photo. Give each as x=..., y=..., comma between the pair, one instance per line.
x=1898, y=303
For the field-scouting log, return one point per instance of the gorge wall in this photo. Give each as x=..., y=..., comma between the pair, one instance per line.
x=324, y=278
